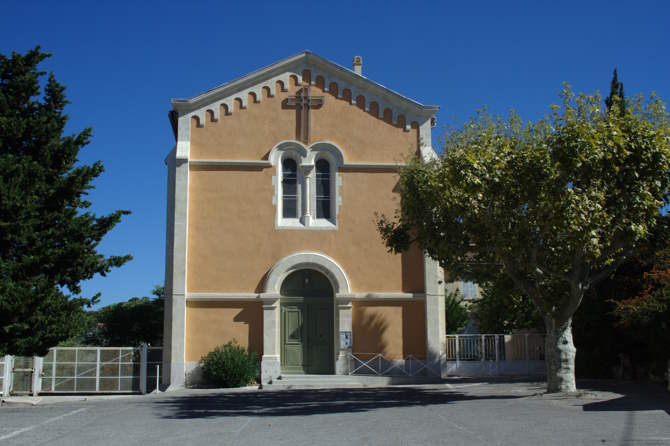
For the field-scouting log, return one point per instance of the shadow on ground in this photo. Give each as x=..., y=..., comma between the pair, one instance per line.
x=309, y=402
x=635, y=396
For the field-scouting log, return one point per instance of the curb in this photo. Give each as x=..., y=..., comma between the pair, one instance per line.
x=58, y=399
x=21, y=400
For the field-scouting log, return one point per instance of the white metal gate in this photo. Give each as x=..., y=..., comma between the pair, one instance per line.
x=98, y=369
x=83, y=370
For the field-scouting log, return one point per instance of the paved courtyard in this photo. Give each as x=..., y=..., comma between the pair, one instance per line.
x=453, y=413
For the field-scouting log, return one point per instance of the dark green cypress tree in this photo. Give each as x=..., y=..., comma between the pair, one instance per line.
x=48, y=238
x=616, y=91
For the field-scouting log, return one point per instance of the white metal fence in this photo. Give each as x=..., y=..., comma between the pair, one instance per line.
x=84, y=370
x=466, y=355
x=4, y=369
x=376, y=364
x=154, y=361
x=495, y=354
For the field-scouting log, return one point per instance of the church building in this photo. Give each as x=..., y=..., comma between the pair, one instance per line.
x=273, y=187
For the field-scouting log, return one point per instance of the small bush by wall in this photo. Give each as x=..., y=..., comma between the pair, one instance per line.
x=230, y=365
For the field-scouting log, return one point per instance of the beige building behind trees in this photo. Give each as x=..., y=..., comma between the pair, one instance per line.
x=273, y=186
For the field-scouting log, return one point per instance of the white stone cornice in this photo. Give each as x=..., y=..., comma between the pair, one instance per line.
x=374, y=166
x=282, y=71
x=388, y=296
x=241, y=163
x=170, y=155
x=263, y=163
x=341, y=298
x=307, y=165
x=215, y=297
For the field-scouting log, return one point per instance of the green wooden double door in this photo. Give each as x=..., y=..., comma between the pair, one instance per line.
x=306, y=324
x=307, y=336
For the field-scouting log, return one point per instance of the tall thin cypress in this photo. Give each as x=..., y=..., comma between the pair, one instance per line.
x=616, y=91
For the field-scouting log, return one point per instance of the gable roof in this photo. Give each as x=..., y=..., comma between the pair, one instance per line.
x=294, y=65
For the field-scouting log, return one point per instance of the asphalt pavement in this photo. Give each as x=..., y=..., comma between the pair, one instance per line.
x=452, y=413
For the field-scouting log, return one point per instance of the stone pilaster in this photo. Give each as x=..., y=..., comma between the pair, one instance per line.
x=344, y=333
x=270, y=362
x=436, y=343
x=175, y=272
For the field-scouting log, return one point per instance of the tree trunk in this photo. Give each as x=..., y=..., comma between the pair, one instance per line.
x=560, y=356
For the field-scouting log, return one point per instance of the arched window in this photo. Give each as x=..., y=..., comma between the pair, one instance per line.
x=322, y=189
x=289, y=187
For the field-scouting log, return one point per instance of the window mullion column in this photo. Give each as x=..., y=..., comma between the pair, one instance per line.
x=308, y=185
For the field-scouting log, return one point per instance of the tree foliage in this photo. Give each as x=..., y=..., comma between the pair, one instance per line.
x=651, y=294
x=622, y=326
x=556, y=205
x=138, y=320
x=48, y=238
x=504, y=309
x=457, y=315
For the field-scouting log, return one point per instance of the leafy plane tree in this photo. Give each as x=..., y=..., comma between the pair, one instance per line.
x=556, y=205
x=48, y=239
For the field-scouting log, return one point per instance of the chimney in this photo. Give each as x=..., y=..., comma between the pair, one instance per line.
x=358, y=65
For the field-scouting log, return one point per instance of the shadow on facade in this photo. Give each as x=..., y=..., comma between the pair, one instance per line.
x=309, y=402
x=251, y=314
x=369, y=332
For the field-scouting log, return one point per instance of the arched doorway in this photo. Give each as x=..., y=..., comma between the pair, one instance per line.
x=306, y=323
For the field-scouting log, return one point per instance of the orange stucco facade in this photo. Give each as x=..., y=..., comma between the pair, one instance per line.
x=233, y=240
x=396, y=329
x=250, y=133
x=214, y=323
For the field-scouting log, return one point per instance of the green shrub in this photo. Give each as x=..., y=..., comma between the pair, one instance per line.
x=230, y=365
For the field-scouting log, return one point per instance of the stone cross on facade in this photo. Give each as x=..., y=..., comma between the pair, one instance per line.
x=304, y=102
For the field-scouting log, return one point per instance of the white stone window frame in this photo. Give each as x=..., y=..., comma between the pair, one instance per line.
x=306, y=158
x=283, y=222
x=332, y=165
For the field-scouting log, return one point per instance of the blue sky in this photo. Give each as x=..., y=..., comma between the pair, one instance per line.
x=123, y=61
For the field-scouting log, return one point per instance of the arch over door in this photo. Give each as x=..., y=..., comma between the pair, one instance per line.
x=306, y=323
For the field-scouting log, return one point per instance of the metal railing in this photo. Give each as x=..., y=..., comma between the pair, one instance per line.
x=97, y=369
x=495, y=347
x=376, y=364
x=154, y=361
x=495, y=354
x=85, y=370
x=4, y=369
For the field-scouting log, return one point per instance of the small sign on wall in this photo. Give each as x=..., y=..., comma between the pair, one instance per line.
x=345, y=339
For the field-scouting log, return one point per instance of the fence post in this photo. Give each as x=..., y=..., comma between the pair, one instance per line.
x=7, y=375
x=458, y=353
x=97, y=369
x=158, y=374
x=53, y=370
x=527, y=358
x=482, y=350
x=143, y=368
x=497, y=345
x=37, y=375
